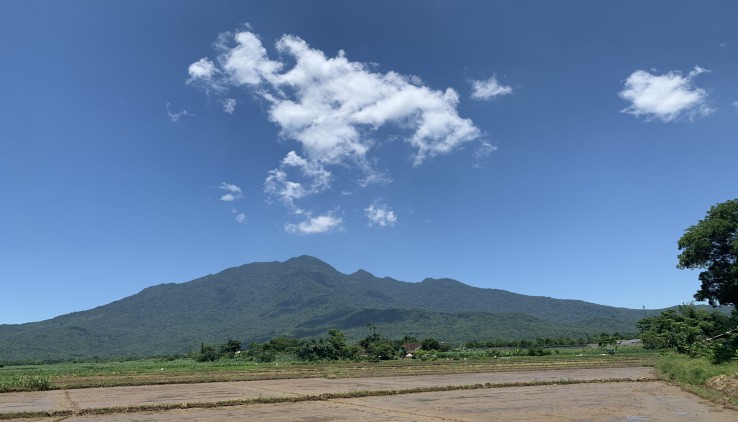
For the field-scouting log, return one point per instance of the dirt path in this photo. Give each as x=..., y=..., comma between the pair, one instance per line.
x=643, y=400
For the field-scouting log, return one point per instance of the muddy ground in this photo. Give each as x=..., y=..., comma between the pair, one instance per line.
x=632, y=395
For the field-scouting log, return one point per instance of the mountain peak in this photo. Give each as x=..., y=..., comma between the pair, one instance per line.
x=308, y=262
x=362, y=274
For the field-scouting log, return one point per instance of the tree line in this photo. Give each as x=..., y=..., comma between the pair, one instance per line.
x=375, y=347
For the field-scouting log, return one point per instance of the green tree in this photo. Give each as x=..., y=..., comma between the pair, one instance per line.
x=230, y=348
x=382, y=350
x=261, y=352
x=712, y=245
x=430, y=344
x=332, y=348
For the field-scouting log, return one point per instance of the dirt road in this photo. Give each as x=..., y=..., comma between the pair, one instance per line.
x=631, y=397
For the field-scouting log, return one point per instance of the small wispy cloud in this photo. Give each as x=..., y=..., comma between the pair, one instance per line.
x=233, y=192
x=229, y=105
x=174, y=116
x=487, y=89
x=667, y=97
x=311, y=225
x=240, y=217
x=380, y=214
x=484, y=150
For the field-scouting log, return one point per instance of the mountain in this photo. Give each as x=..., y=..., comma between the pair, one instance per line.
x=302, y=297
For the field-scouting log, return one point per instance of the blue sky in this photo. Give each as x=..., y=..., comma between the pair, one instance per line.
x=546, y=148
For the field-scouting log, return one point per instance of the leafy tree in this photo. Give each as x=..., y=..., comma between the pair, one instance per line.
x=712, y=244
x=430, y=344
x=332, y=348
x=337, y=340
x=382, y=350
x=378, y=347
x=261, y=352
x=230, y=348
x=370, y=339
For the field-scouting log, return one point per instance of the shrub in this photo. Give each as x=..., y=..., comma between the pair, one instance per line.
x=538, y=351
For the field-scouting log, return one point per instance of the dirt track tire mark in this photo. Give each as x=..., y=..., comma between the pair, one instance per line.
x=399, y=413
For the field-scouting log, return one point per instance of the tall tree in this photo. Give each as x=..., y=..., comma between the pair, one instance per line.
x=712, y=245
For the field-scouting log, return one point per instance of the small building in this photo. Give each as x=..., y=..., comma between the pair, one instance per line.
x=411, y=347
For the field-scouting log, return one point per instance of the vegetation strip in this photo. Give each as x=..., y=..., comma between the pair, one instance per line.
x=304, y=398
x=73, y=376
x=698, y=376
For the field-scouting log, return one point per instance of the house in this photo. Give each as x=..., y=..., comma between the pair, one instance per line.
x=410, y=348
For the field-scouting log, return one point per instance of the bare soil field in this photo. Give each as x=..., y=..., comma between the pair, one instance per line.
x=618, y=394
x=643, y=401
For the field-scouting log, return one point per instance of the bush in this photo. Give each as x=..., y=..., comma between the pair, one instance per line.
x=207, y=355
x=538, y=351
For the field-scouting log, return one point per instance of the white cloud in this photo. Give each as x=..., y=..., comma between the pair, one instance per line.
x=735, y=104
x=312, y=225
x=667, y=97
x=329, y=105
x=380, y=214
x=201, y=69
x=174, y=116
x=315, y=179
x=487, y=89
x=240, y=218
x=333, y=108
x=247, y=62
x=229, y=105
x=233, y=192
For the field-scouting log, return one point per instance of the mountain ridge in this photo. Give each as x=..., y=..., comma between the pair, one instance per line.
x=302, y=297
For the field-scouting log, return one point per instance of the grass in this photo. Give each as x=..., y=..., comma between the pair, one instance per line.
x=24, y=383
x=693, y=374
x=181, y=371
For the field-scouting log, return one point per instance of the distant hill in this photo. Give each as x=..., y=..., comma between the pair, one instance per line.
x=302, y=297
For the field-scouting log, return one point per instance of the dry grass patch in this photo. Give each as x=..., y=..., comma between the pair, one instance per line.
x=726, y=384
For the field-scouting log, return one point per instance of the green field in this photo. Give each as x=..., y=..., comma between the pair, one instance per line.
x=186, y=370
